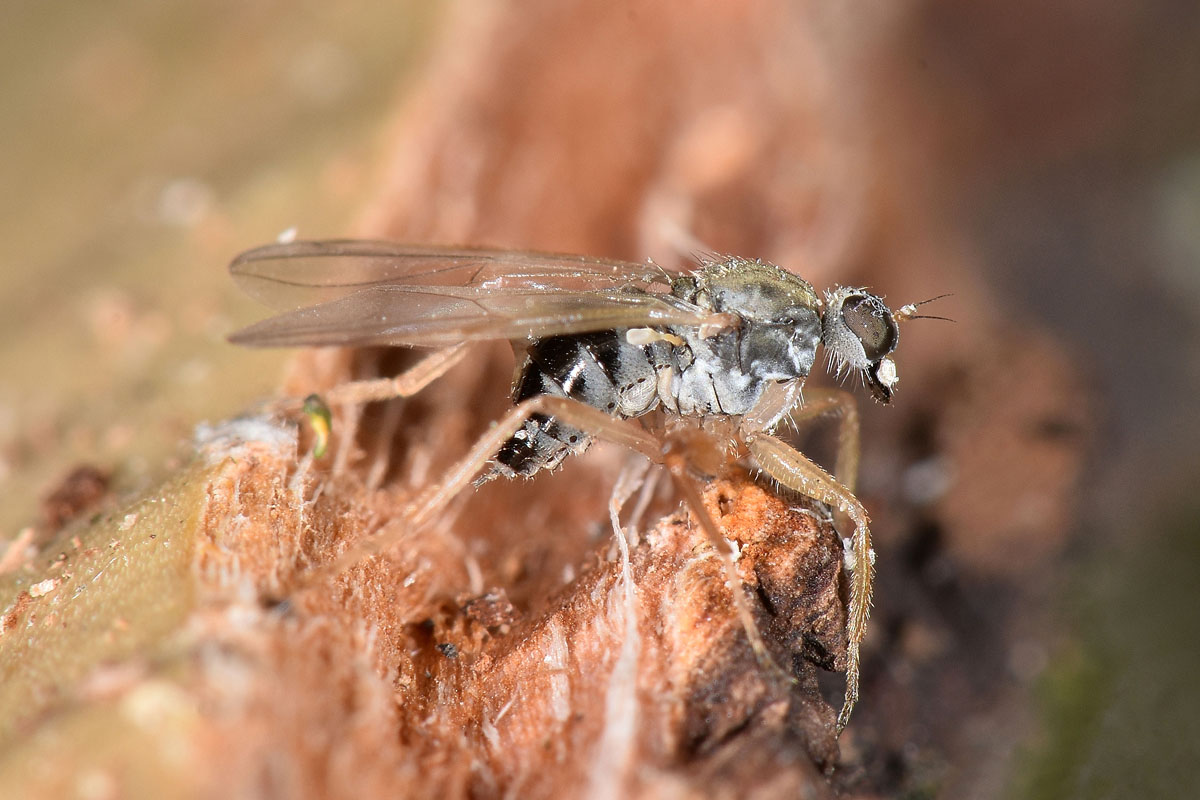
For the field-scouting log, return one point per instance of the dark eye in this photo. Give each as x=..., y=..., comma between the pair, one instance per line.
x=869, y=320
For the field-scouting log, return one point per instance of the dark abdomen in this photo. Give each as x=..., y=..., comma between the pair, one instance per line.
x=599, y=369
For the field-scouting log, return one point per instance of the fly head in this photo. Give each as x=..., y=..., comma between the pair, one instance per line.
x=859, y=331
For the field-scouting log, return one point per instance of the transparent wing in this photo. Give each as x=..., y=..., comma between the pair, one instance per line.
x=300, y=274
x=386, y=294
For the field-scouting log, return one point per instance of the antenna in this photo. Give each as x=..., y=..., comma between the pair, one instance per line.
x=907, y=312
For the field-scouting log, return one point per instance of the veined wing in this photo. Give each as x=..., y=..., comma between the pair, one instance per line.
x=440, y=316
x=386, y=294
x=298, y=274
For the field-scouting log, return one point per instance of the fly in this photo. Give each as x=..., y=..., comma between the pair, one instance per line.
x=601, y=343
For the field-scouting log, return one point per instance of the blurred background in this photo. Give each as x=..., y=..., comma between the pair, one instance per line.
x=1041, y=163
x=143, y=145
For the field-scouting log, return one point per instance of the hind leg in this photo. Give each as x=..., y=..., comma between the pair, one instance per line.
x=406, y=384
x=358, y=393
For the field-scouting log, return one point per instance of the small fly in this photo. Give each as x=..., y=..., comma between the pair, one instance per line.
x=600, y=343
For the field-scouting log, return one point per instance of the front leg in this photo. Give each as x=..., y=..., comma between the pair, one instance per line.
x=842, y=407
x=795, y=471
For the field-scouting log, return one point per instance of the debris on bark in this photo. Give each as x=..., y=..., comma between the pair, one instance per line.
x=77, y=493
x=634, y=680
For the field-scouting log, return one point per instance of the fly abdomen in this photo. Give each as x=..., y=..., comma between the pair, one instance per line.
x=600, y=369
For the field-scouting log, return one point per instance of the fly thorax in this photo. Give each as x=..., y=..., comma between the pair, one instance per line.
x=776, y=338
x=780, y=351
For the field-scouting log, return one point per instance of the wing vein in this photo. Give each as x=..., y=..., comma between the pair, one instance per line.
x=349, y=293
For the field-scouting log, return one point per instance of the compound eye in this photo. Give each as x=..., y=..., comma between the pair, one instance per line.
x=871, y=323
